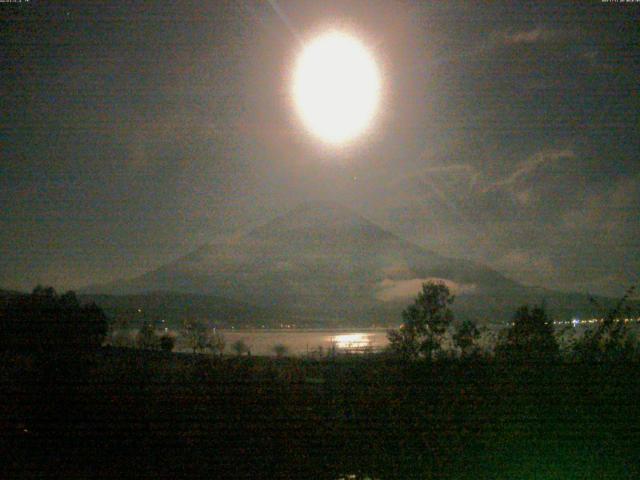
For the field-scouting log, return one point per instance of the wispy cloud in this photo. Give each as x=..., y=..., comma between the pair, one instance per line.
x=611, y=209
x=390, y=290
x=528, y=166
x=453, y=183
x=530, y=266
x=535, y=35
x=453, y=169
x=508, y=38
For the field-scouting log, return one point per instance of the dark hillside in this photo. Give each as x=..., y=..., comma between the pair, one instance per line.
x=130, y=413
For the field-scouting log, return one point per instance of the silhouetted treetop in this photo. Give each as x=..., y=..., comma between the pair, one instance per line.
x=46, y=321
x=530, y=336
x=465, y=337
x=424, y=322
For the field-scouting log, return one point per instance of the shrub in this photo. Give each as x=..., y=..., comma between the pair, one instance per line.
x=147, y=338
x=240, y=347
x=280, y=350
x=167, y=343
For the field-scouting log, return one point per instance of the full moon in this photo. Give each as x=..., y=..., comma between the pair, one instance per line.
x=336, y=87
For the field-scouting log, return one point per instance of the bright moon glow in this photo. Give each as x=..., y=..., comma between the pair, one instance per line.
x=336, y=87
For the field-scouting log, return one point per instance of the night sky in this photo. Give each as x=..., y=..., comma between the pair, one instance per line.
x=133, y=133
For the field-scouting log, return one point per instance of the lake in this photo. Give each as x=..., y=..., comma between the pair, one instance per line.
x=299, y=342
x=308, y=341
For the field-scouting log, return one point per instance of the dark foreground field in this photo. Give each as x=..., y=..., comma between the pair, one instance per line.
x=126, y=413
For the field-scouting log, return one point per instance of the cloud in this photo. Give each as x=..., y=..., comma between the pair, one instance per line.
x=390, y=290
x=438, y=187
x=609, y=209
x=614, y=285
x=615, y=218
x=596, y=60
x=508, y=38
x=462, y=192
x=397, y=270
x=463, y=171
x=529, y=265
x=528, y=166
x=535, y=35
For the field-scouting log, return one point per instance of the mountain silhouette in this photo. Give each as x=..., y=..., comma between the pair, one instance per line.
x=322, y=263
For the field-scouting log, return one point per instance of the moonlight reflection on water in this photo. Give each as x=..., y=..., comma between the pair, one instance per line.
x=352, y=340
x=303, y=341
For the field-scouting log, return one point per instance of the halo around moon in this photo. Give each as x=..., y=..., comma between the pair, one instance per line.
x=336, y=87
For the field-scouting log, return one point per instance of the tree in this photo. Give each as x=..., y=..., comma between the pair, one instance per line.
x=119, y=331
x=195, y=333
x=404, y=341
x=530, y=337
x=466, y=337
x=280, y=350
x=240, y=347
x=167, y=343
x=611, y=339
x=147, y=338
x=122, y=339
x=424, y=323
x=217, y=343
x=46, y=321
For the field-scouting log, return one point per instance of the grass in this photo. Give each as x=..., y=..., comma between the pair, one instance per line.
x=122, y=412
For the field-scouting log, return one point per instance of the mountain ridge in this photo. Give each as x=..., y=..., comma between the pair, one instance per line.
x=321, y=262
